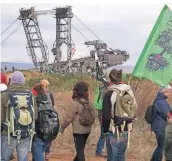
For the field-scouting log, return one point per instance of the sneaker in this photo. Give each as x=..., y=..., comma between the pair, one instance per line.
x=46, y=157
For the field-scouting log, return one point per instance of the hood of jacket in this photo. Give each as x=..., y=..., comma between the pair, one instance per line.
x=160, y=96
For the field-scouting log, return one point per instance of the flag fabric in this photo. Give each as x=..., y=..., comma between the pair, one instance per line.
x=73, y=50
x=155, y=61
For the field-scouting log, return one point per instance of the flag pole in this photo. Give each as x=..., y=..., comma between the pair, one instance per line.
x=129, y=125
x=130, y=78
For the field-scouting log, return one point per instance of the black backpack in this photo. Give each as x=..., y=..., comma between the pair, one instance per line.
x=47, y=125
x=150, y=114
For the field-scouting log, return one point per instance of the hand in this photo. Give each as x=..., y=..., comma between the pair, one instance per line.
x=134, y=119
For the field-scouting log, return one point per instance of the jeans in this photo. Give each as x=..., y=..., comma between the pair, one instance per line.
x=116, y=148
x=47, y=149
x=80, y=141
x=101, y=142
x=22, y=148
x=38, y=149
x=158, y=153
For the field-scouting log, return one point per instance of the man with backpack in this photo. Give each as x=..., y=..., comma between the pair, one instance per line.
x=3, y=87
x=18, y=114
x=168, y=140
x=161, y=112
x=119, y=107
x=47, y=124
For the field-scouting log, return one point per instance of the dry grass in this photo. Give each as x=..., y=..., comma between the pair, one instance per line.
x=142, y=141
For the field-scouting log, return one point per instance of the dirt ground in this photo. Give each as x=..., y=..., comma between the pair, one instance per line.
x=142, y=143
x=66, y=157
x=63, y=147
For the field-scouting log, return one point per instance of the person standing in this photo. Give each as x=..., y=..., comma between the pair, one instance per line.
x=75, y=115
x=119, y=107
x=168, y=140
x=42, y=140
x=13, y=69
x=159, y=123
x=3, y=83
x=3, y=87
x=45, y=83
x=101, y=141
x=5, y=68
x=98, y=106
x=18, y=103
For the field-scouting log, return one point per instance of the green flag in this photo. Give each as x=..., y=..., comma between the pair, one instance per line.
x=155, y=62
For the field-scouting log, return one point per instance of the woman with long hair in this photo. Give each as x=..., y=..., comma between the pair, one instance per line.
x=80, y=133
x=41, y=92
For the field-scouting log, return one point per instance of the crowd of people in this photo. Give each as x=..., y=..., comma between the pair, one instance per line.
x=24, y=126
x=11, y=142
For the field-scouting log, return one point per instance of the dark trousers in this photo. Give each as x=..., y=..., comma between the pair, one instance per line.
x=158, y=153
x=80, y=141
x=47, y=150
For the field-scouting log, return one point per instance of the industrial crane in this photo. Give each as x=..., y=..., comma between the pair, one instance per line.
x=29, y=17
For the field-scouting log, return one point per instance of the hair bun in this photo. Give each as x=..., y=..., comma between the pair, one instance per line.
x=115, y=75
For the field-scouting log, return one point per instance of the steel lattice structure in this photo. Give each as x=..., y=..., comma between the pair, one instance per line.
x=107, y=56
x=63, y=32
x=34, y=37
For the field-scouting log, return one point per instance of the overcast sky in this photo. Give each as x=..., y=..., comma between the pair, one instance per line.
x=124, y=27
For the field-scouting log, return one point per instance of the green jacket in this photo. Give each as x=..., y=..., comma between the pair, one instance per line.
x=168, y=142
x=4, y=100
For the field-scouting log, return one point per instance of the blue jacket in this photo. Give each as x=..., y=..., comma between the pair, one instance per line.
x=161, y=109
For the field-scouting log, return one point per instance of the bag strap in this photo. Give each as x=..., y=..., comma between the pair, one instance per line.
x=81, y=102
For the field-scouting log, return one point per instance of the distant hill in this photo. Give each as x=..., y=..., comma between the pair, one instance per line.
x=10, y=65
x=125, y=68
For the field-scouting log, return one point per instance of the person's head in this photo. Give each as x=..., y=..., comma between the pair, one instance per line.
x=167, y=91
x=17, y=78
x=39, y=90
x=4, y=79
x=44, y=83
x=115, y=76
x=80, y=90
